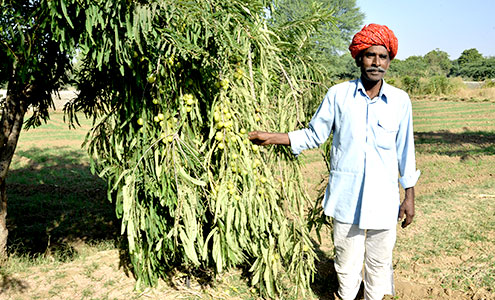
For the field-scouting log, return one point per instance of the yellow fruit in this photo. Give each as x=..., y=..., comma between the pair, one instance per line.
x=188, y=108
x=221, y=146
x=170, y=138
x=155, y=101
x=243, y=131
x=235, y=156
x=224, y=83
x=219, y=136
x=256, y=163
x=229, y=124
x=255, y=148
x=216, y=116
x=257, y=118
x=238, y=73
x=161, y=117
x=151, y=79
x=305, y=248
x=220, y=125
x=156, y=119
x=189, y=99
x=140, y=121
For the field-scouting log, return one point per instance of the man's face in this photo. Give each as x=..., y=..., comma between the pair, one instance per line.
x=374, y=62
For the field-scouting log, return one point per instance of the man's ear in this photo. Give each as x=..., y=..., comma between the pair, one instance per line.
x=359, y=60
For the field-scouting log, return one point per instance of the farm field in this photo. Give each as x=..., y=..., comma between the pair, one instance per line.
x=64, y=236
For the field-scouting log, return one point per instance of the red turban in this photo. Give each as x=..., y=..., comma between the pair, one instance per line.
x=374, y=35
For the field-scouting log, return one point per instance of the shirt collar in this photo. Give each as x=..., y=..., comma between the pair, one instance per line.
x=383, y=90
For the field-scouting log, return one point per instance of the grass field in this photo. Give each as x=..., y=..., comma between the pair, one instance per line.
x=64, y=237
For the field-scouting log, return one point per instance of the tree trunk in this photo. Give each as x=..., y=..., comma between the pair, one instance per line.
x=12, y=118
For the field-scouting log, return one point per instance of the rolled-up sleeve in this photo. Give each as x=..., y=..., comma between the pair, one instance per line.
x=319, y=127
x=405, y=150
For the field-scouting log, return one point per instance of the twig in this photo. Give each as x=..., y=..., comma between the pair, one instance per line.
x=293, y=91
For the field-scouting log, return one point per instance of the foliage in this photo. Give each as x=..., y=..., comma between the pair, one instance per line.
x=31, y=62
x=438, y=85
x=173, y=87
x=479, y=69
x=411, y=84
x=326, y=45
x=438, y=62
x=469, y=56
x=413, y=66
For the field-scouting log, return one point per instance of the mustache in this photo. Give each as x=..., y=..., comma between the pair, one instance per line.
x=375, y=69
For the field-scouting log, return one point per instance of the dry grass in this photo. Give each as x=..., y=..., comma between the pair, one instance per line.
x=482, y=93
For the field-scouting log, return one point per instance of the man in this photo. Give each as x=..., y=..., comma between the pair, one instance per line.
x=372, y=144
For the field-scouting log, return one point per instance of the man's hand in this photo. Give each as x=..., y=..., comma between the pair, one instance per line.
x=407, y=208
x=269, y=138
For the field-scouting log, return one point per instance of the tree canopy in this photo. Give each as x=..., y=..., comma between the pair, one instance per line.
x=327, y=44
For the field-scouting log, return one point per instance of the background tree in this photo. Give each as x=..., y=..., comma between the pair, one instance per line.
x=479, y=69
x=413, y=66
x=469, y=56
x=438, y=62
x=326, y=45
x=32, y=66
x=471, y=65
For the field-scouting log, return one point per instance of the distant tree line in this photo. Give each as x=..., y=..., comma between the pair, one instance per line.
x=471, y=65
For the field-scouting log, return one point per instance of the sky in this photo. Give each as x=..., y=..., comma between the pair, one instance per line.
x=424, y=25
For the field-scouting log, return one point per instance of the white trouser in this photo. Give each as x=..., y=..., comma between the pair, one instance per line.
x=374, y=247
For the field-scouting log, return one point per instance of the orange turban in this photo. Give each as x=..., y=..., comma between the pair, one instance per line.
x=374, y=35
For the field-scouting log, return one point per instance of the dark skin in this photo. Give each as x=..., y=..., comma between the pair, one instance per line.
x=373, y=63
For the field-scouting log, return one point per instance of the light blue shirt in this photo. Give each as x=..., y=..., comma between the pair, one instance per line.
x=372, y=145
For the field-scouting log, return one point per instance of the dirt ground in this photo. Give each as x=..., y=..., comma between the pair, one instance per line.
x=99, y=276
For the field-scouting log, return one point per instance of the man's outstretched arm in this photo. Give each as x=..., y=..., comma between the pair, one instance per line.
x=269, y=138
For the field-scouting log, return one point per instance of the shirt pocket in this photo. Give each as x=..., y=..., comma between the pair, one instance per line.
x=386, y=134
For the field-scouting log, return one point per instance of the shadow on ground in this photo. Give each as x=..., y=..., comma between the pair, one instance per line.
x=461, y=144
x=54, y=202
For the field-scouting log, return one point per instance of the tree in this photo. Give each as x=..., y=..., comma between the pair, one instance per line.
x=33, y=67
x=438, y=62
x=480, y=69
x=413, y=66
x=172, y=87
x=469, y=56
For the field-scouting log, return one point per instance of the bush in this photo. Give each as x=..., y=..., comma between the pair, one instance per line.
x=411, y=85
x=439, y=85
x=489, y=84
